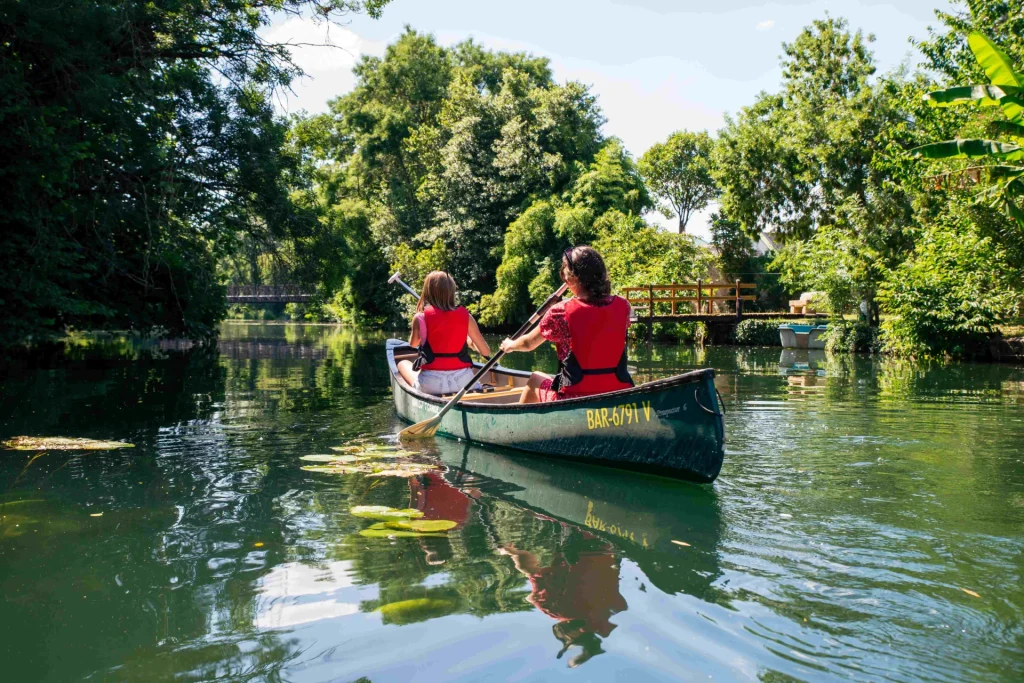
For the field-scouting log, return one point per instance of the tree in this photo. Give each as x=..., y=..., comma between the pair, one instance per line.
x=608, y=193
x=679, y=171
x=141, y=146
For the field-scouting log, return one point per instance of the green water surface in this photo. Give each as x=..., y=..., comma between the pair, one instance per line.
x=868, y=524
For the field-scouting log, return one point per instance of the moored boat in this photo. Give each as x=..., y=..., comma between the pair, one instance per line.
x=672, y=427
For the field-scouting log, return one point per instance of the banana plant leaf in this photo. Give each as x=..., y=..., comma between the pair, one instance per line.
x=1015, y=131
x=61, y=443
x=384, y=513
x=984, y=95
x=424, y=525
x=974, y=148
x=999, y=70
x=994, y=61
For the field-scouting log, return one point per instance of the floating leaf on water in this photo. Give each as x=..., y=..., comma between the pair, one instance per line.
x=383, y=512
x=409, y=469
x=417, y=609
x=397, y=533
x=61, y=443
x=424, y=525
x=96, y=514
x=375, y=451
x=348, y=449
x=333, y=458
x=681, y=543
x=334, y=469
x=970, y=592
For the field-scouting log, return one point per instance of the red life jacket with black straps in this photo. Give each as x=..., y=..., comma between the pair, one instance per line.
x=596, y=363
x=445, y=347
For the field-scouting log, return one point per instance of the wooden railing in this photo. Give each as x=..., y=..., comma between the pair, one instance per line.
x=667, y=298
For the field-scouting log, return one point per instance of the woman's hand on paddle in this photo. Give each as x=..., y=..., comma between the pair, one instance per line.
x=509, y=345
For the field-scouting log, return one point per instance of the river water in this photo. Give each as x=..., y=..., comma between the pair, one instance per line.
x=868, y=524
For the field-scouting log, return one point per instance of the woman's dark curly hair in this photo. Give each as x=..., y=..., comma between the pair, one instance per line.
x=587, y=266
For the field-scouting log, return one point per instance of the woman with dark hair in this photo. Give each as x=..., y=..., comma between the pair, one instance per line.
x=588, y=331
x=444, y=333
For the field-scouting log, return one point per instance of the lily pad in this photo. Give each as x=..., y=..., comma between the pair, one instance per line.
x=417, y=609
x=343, y=459
x=408, y=469
x=372, y=469
x=379, y=451
x=384, y=513
x=334, y=469
x=422, y=525
x=61, y=443
x=348, y=449
x=396, y=533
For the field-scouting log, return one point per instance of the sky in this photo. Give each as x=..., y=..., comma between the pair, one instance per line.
x=656, y=66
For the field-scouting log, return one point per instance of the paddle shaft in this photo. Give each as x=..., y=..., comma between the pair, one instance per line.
x=396, y=278
x=534, y=319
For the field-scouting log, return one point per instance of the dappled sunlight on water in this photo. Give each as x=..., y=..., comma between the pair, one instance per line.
x=866, y=525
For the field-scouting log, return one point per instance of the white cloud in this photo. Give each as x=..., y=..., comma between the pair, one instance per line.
x=765, y=25
x=326, y=52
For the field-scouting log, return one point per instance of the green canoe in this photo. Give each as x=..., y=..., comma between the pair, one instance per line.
x=672, y=427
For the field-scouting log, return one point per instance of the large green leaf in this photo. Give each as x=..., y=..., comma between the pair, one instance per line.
x=994, y=61
x=1014, y=130
x=999, y=70
x=985, y=95
x=970, y=149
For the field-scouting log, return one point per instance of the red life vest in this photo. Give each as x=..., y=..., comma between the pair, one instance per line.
x=445, y=347
x=597, y=349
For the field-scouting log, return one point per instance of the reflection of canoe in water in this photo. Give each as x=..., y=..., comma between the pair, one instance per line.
x=670, y=427
x=647, y=518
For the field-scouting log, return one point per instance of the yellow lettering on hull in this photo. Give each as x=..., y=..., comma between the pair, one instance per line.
x=619, y=416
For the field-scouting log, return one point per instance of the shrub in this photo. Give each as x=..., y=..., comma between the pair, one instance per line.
x=948, y=297
x=849, y=337
x=757, y=332
x=682, y=333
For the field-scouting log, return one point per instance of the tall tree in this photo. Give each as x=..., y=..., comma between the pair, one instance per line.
x=679, y=172
x=140, y=145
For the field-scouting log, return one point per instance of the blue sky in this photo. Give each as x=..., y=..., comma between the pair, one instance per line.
x=656, y=65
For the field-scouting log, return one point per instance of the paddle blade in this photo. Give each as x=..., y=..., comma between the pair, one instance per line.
x=421, y=430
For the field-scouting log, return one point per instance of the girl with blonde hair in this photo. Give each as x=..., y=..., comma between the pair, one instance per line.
x=444, y=333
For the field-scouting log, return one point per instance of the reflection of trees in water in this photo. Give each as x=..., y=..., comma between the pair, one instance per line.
x=160, y=568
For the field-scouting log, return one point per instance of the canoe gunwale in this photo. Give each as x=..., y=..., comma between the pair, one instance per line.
x=397, y=345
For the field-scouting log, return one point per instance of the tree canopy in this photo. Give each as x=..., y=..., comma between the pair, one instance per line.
x=679, y=172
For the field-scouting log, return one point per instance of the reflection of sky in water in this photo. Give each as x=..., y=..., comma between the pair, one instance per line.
x=293, y=594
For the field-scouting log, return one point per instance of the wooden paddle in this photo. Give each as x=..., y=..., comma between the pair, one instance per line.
x=427, y=428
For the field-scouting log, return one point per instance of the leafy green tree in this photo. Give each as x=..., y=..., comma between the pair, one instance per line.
x=451, y=145
x=679, y=172
x=608, y=193
x=140, y=148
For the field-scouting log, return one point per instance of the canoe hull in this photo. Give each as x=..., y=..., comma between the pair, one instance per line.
x=671, y=427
